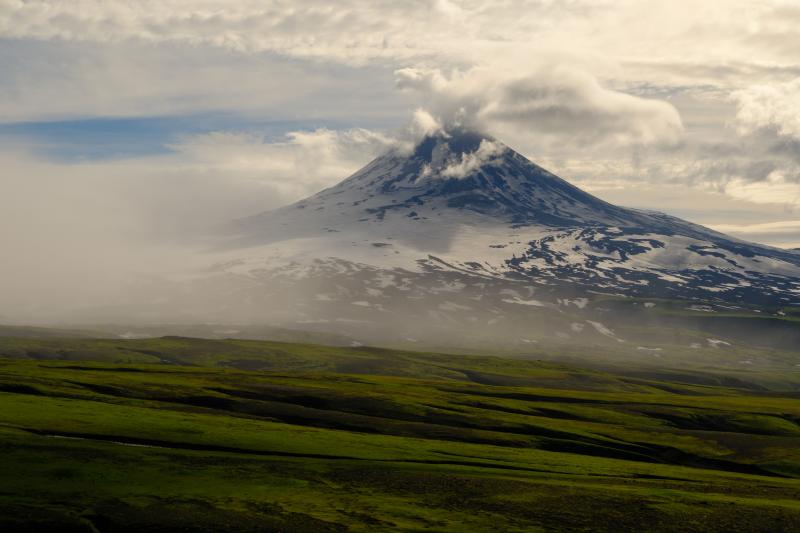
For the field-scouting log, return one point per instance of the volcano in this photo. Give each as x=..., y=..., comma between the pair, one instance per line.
x=463, y=232
x=465, y=201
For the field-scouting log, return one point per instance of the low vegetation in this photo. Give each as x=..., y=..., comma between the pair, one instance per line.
x=228, y=435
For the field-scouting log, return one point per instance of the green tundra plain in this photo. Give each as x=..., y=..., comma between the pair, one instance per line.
x=184, y=434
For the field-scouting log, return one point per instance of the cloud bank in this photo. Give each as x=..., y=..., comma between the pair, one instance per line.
x=81, y=234
x=421, y=29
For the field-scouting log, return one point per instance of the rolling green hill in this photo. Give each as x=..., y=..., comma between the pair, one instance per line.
x=210, y=435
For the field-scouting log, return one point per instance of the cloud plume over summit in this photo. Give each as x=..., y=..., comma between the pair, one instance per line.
x=552, y=101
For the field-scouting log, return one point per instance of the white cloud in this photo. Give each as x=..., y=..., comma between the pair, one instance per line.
x=424, y=124
x=710, y=33
x=468, y=162
x=549, y=101
x=300, y=164
x=773, y=106
x=350, y=31
x=775, y=190
x=557, y=65
x=784, y=226
x=56, y=80
x=783, y=234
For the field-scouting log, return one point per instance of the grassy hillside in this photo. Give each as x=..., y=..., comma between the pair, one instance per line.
x=42, y=332
x=727, y=365
x=210, y=435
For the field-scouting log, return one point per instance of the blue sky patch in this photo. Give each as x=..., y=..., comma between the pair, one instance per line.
x=121, y=138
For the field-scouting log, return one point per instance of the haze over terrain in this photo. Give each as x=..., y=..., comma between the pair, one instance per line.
x=378, y=266
x=128, y=132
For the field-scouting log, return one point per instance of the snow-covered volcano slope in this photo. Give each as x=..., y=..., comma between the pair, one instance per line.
x=465, y=203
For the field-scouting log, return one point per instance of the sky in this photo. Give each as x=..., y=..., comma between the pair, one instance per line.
x=128, y=126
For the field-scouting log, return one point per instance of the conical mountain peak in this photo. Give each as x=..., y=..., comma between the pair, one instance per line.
x=465, y=202
x=466, y=173
x=461, y=176
x=450, y=179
